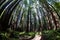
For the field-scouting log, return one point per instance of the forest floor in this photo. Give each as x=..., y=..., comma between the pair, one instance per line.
x=15, y=35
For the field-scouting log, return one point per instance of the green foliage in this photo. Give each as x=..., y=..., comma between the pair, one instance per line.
x=57, y=5
x=4, y=36
x=51, y=35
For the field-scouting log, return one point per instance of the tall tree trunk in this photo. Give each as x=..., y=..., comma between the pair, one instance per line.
x=5, y=16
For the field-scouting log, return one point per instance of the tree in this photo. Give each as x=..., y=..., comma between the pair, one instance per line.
x=34, y=15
